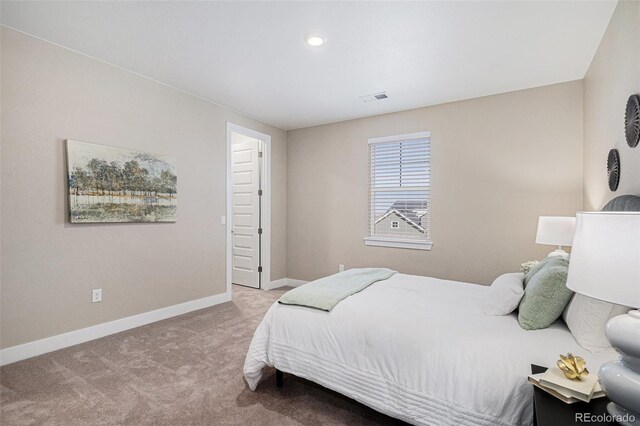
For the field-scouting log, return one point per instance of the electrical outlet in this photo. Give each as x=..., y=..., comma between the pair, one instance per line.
x=341, y=268
x=96, y=295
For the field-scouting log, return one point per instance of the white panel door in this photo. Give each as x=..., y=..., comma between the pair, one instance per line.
x=245, y=168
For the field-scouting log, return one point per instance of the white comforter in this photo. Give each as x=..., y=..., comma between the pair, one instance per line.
x=418, y=349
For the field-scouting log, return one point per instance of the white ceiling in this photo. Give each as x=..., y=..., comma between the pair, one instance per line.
x=252, y=57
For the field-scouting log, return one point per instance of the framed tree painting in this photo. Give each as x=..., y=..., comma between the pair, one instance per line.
x=108, y=184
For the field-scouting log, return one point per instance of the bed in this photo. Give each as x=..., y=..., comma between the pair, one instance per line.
x=415, y=348
x=418, y=349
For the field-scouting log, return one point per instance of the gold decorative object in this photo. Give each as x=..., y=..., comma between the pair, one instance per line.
x=573, y=366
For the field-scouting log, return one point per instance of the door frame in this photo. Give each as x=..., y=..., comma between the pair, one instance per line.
x=265, y=245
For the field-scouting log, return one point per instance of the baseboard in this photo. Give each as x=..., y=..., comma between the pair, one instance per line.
x=282, y=282
x=50, y=344
x=291, y=282
x=285, y=282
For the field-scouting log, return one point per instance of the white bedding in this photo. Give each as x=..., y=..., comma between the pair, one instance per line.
x=418, y=349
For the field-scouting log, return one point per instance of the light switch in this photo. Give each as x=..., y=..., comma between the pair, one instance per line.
x=223, y=220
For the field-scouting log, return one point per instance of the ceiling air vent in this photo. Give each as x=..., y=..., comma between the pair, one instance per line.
x=374, y=97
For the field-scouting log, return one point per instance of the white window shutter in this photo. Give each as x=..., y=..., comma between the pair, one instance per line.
x=400, y=187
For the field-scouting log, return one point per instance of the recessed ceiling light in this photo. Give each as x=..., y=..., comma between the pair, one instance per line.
x=315, y=40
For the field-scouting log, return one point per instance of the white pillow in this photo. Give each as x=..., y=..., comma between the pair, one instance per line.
x=587, y=318
x=505, y=294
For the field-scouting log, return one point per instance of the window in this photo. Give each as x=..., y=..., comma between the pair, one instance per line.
x=399, y=191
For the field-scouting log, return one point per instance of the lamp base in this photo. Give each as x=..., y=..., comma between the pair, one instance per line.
x=622, y=415
x=558, y=252
x=620, y=379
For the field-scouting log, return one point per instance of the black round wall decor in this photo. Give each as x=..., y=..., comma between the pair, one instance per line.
x=613, y=169
x=632, y=121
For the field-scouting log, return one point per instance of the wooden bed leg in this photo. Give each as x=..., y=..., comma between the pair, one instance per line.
x=278, y=378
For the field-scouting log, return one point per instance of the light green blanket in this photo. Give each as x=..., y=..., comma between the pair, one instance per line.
x=327, y=292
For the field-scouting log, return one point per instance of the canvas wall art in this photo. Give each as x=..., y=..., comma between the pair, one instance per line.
x=108, y=184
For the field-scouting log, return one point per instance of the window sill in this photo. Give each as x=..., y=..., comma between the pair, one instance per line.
x=398, y=243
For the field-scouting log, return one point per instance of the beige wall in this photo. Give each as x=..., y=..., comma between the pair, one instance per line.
x=612, y=77
x=49, y=266
x=498, y=163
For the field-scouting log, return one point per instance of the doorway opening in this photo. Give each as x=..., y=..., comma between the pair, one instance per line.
x=248, y=216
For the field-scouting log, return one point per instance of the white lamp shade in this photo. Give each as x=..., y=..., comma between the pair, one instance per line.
x=605, y=258
x=555, y=230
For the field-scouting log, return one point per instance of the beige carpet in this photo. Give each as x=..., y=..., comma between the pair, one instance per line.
x=185, y=370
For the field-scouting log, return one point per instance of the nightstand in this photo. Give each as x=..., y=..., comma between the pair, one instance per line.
x=550, y=411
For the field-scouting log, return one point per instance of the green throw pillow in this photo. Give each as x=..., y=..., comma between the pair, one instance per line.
x=535, y=269
x=545, y=297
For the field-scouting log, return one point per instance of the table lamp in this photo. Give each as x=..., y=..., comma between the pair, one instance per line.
x=556, y=231
x=605, y=265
